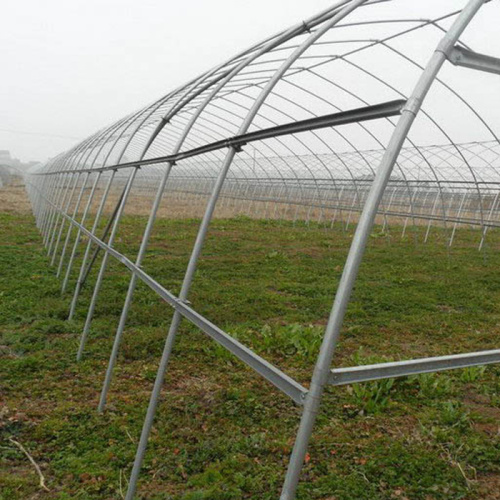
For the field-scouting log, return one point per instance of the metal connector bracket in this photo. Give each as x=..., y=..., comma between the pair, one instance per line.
x=473, y=60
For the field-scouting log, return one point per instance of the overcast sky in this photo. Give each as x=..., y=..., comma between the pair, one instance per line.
x=69, y=67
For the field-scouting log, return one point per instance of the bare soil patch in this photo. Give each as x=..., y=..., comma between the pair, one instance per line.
x=14, y=199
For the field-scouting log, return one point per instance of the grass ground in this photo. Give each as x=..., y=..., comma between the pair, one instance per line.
x=221, y=432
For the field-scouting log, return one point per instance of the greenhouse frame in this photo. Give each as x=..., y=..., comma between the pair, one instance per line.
x=366, y=113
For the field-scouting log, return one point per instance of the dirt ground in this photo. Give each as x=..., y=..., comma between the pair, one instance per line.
x=176, y=205
x=13, y=199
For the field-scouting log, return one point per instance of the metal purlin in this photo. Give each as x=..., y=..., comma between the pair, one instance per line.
x=282, y=143
x=351, y=144
x=372, y=135
x=318, y=137
x=345, y=138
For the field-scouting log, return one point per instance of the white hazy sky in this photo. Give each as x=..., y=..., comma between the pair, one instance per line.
x=69, y=67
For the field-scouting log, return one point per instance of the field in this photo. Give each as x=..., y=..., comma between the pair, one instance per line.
x=221, y=432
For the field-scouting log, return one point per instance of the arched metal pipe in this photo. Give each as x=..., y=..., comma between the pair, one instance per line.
x=349, y=275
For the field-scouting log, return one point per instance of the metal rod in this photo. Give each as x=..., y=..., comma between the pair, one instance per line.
x=102, y=270
x=97, y=219
x=54, y=244
x=282, y=381
x=70, y=227
x=145, y=238
x=365, y=113
x=130, y=291
x=473, y=60
x=200, y=240
x=366, y=373
x=105, y=233
x=322, y=369
x=78, y=234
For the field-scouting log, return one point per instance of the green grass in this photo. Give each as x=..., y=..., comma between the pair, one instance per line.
x=221, y=432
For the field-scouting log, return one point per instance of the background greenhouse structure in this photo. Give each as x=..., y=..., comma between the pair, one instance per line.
x=360, y=115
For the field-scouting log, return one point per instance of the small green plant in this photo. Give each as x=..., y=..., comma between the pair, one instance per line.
x=292, y=340
x=278, y=256
x=378, y=233
x=372, y=397
x=452, y=414
x=472, y=374
x=431, y=385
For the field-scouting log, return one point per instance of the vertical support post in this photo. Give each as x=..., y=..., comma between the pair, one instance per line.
x=104, y=263
x=79, y=282
x=50, y=189
x=70, y=226
x=43, y=183
x=427, y=232
x=365, y=224
x=131, y=288
x=191, y=268
x=61, y=190
x=47, y=187
x=79, y=232
x=153, y=402
x=458, y=214
x=63, y=210
x=485, y=230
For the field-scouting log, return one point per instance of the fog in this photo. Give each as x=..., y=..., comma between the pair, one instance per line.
x=71, y=67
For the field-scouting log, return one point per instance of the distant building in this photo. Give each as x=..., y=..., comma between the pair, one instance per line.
x=11, y=168
x=5, y=157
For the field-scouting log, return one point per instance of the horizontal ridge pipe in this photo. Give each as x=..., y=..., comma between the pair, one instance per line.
x=365, y=113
